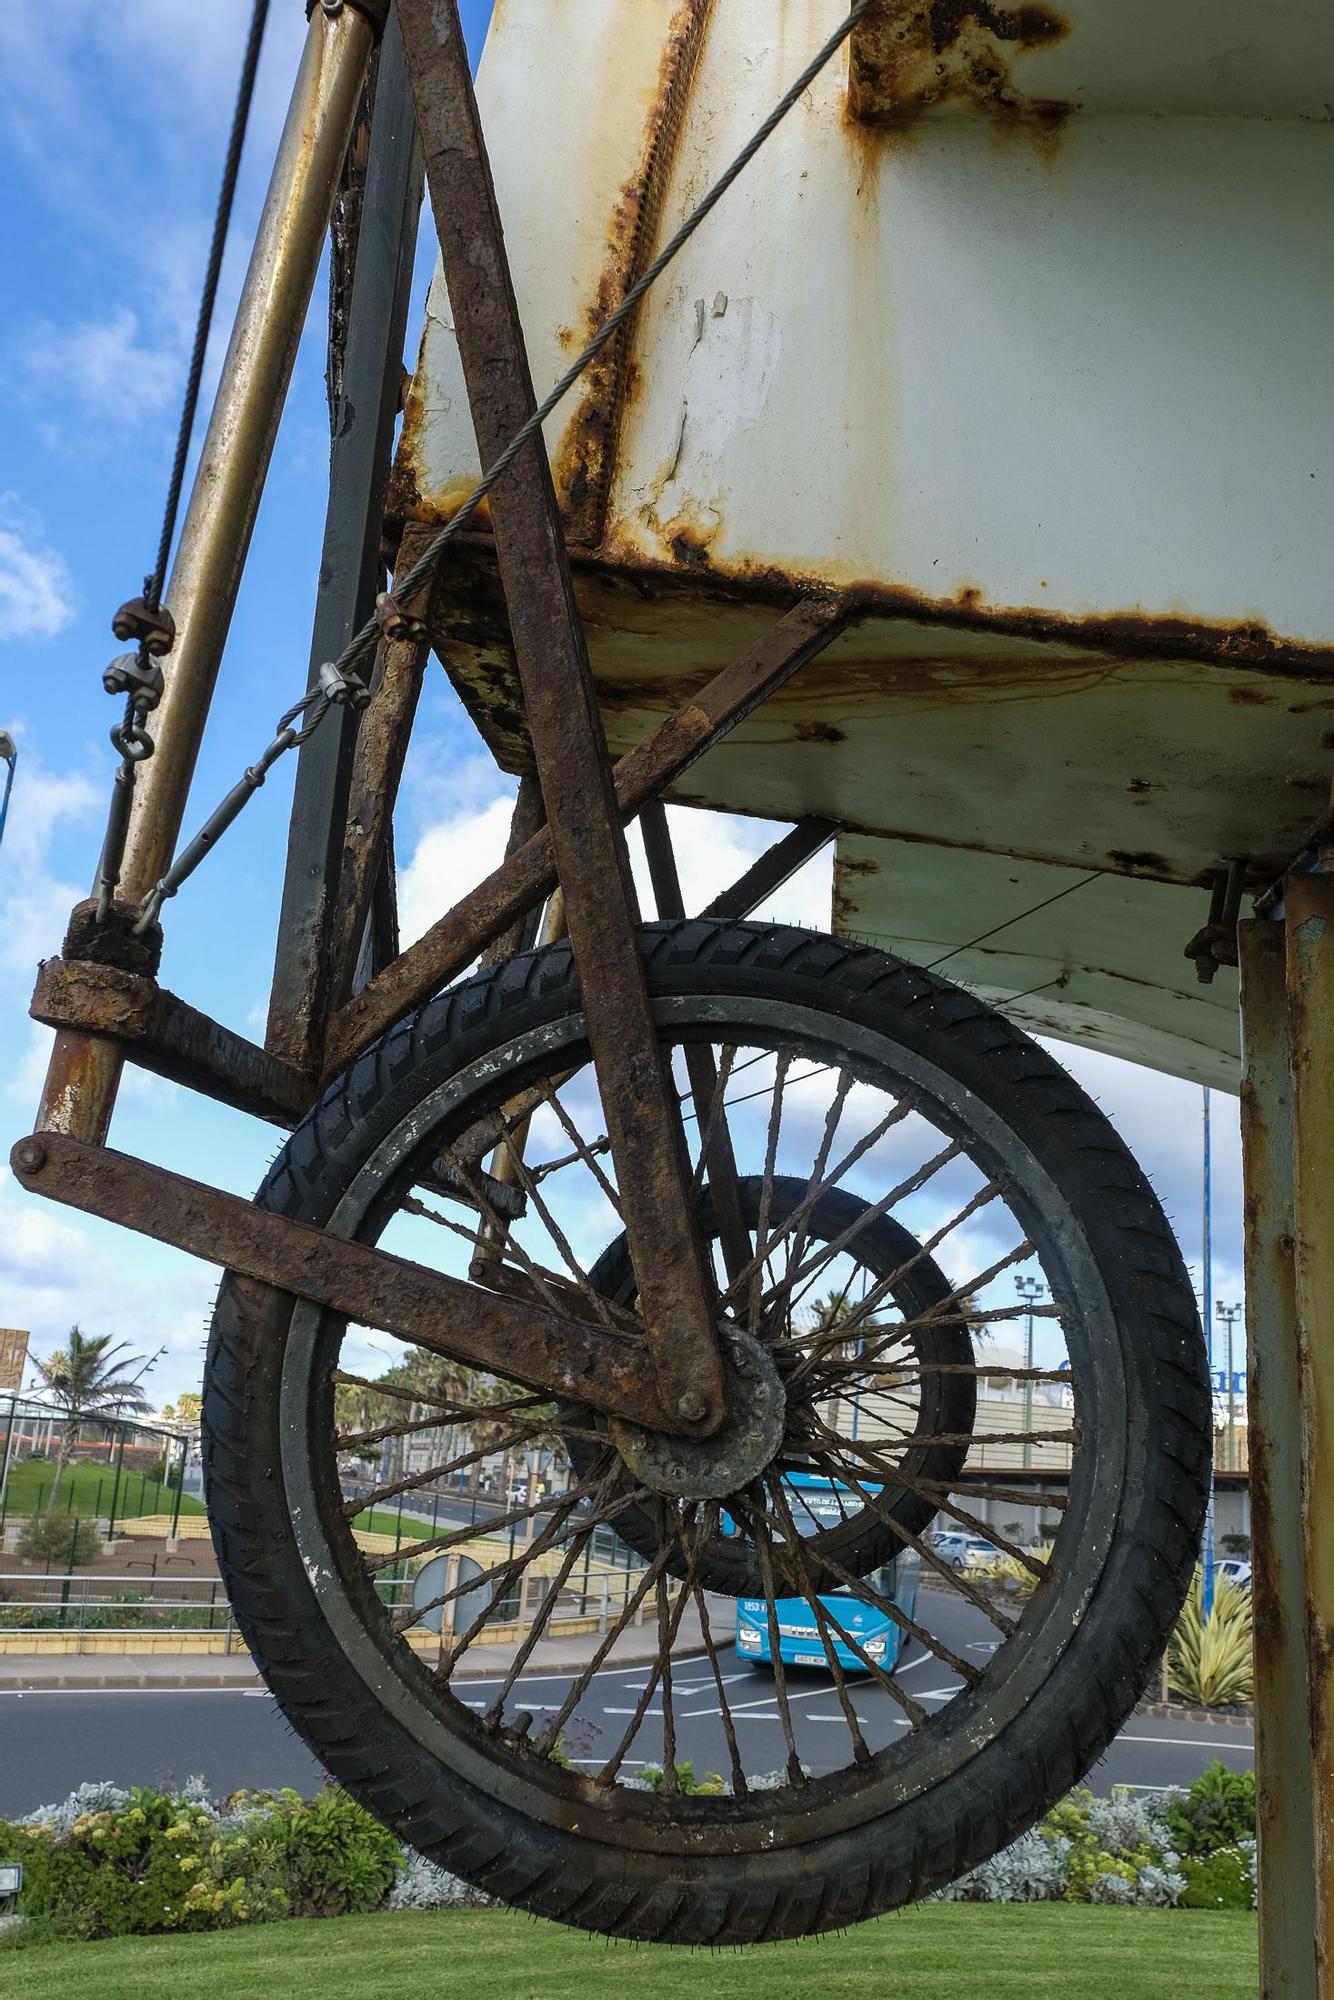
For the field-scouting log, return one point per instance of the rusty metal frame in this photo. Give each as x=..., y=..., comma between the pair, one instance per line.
x=328, y=1003
x=676, y=1293
x=559, y=1354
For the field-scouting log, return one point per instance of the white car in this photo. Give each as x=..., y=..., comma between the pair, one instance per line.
x=962, y=1551
x=1234, y=1570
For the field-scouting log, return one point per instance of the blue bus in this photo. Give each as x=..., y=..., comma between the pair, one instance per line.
x=817, y=1504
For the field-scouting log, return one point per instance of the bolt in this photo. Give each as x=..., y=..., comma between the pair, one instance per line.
x=693, y=1407
x=637, y=1441
x=30, y=1156
x=677, y=1474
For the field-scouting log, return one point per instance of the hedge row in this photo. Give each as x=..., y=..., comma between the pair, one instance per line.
x=108, y=1863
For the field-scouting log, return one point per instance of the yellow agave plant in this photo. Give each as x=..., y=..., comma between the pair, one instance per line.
x=1014, y=1577
x=1209, y=1659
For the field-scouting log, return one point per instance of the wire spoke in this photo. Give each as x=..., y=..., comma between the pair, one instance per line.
x=669, y=1623
x=953, y=1577
x=584, y=1152
x=822, y=1622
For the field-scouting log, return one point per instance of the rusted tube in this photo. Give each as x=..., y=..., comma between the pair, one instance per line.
x=1310, y=982
x=215, y=535
x=1284, y=1810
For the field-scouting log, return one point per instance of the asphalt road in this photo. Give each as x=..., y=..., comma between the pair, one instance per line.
x=235, y=1737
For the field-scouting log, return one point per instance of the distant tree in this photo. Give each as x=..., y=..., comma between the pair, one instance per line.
x=188, y=1407
x=86, y=1378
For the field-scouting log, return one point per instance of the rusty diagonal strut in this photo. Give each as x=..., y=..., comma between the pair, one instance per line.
x=671, y=1381
x=677, y=1296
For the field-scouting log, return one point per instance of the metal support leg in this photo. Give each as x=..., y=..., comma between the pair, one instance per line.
x=733, y=1235
x=215, y=535
x=1310, y=967
x=1282, y=1702
x=363, y=410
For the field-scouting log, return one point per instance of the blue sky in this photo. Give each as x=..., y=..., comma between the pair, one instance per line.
x=114, y=121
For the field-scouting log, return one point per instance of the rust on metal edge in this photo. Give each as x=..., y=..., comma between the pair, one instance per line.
x=908, y=56
x=474, y=616
x=1130, y=633
x=514, y=1339
x=585, y=458
x=163, y=1034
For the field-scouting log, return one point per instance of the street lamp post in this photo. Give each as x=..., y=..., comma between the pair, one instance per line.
x=1229, y=1315
x=1030, y=1290
x=9, y=753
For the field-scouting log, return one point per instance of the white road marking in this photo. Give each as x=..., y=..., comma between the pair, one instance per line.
x=631, y=1711
x=738, y=1708
x=1193, y=1743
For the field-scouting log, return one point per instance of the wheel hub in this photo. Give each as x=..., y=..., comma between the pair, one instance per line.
x=740, y=1450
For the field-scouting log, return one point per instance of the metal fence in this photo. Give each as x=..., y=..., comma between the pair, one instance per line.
x=161, y=1609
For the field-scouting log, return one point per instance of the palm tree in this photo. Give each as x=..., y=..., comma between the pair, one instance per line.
x=84, y=1377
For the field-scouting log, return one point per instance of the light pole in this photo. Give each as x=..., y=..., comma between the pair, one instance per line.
x=1229, y=1315
x=1030, y=1290
x=9, y=752
x=1207, y=1279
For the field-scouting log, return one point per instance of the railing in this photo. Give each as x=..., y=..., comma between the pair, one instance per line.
x=128, y=1606
x=94, y=1612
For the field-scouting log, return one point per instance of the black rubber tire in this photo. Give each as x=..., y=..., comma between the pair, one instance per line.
x=1061, y=1707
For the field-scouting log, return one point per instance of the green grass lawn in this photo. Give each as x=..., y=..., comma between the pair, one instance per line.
x=942, y=1951
x=87, y=1489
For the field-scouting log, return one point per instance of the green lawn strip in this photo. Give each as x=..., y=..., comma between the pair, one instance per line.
x=938, y=1951
x=29, y=1489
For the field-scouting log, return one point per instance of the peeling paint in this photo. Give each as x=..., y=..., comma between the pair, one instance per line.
x=910, y=56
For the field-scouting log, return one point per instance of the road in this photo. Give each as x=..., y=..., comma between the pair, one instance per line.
x=236, y=1737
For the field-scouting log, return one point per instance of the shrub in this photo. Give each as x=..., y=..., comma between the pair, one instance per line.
x=107, y=1863
x=1218, y=1810
x=420, y=1885
x=1086, y=1850
x=61, y=1538
x=1209, y=1659
x=147, y=1862
x=1016, y=1579
x=1237, y=1545
x=1224, y=1880
x=334, y=1858
x=688, y=1784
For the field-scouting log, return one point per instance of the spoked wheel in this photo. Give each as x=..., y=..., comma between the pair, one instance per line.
x=903, y=1156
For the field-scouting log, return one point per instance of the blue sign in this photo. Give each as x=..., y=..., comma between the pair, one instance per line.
x=1238, y=1382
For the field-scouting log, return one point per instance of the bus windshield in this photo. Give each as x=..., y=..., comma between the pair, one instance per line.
x=862, y=1635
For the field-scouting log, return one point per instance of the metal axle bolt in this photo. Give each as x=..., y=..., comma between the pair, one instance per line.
x=693, y=1407
x=30, y=1156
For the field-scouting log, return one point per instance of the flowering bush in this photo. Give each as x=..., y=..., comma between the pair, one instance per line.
x=109, y=1863
x=1194, y=1849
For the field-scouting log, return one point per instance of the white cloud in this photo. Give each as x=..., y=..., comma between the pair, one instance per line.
x=56, y=1271
x=36, y=588
x=104, y=374
x=450, y=858
x=713, y=849
x=34, y=902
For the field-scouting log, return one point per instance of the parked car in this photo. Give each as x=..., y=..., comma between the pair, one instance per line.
x=1234, y=1570
x=964, y=1551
